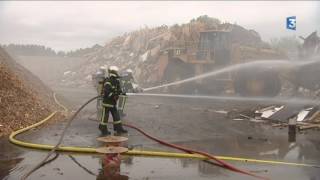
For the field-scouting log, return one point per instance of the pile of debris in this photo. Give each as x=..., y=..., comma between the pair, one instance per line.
x=23, y=97
x=303, y=116
x=143, y=50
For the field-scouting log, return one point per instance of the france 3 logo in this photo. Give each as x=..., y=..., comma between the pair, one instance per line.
x=291, y=23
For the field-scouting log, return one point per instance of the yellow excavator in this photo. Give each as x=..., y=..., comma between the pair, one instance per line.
x=217, y=49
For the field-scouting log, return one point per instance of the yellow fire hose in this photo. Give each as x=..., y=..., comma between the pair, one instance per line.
x=13, y=140
x=58, y=103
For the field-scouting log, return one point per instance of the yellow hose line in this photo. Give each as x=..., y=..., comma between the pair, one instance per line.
x=201, y=157
x=21, y=143
x=61, y=105
x=134, y=152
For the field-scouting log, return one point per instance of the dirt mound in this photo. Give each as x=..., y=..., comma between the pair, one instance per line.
x=24, y=99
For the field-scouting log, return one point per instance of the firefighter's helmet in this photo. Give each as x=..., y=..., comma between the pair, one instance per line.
x=129, y=71
x=113, y=71
x=103, y=69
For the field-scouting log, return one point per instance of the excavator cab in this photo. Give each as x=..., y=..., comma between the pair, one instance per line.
x=215, y=46
x=187, y=59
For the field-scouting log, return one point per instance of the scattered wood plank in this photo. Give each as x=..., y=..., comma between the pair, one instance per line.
x=311, y=126
x=314, y=116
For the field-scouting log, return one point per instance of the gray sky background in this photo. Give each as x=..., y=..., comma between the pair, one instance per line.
x=66, y=25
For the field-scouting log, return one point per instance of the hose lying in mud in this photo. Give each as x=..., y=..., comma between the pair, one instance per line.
x=135, y=152
x=37, y=166
x=81, y=166
x=50, y=160
x=191, y=151
x=76, y=149
x=198, y=155
x=209, y=156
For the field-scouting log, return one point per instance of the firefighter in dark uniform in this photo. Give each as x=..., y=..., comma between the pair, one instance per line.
x=112, y=91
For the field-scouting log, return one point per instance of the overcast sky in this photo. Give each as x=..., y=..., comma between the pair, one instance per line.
x=65, y=25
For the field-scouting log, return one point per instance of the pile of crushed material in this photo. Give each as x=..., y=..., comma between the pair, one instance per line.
x=143, y=50
x=24, y=99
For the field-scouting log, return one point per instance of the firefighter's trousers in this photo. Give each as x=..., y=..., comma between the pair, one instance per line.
x=106, y=108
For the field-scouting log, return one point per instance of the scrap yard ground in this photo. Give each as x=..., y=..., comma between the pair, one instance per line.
x=199, y=124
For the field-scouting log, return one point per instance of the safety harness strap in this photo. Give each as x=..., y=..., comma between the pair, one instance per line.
x=107, y=83
x=112, y=74
x=107, y=105
x=117, y=122
x=103, y=123
x=103, y=117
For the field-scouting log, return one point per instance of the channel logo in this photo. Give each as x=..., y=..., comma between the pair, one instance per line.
x=291, y=23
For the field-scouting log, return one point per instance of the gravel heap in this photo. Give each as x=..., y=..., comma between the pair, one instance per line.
x=24, y=99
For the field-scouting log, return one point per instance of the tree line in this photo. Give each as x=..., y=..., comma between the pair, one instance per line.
x=40, y=50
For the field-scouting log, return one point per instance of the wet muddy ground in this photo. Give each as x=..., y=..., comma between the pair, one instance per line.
x=189, y=122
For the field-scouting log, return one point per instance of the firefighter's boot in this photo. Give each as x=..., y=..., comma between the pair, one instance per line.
x=119, y=129
x=104, y=130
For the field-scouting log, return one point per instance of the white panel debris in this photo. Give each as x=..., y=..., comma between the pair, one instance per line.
x=303, y=114
x=269, y=111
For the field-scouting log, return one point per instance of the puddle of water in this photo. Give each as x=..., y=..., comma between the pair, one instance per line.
x=83, y=166
x=91, y=167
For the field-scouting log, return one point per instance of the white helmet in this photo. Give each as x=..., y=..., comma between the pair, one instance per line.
x=103, y=68
x=113, y=71
x=129, y=71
